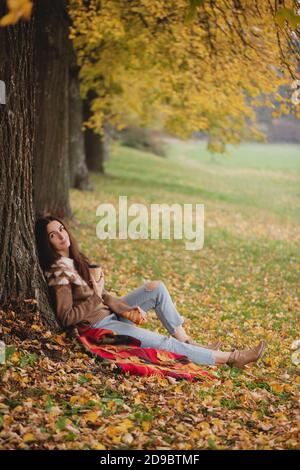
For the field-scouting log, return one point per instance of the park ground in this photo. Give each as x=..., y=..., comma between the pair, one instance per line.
x=241, y=287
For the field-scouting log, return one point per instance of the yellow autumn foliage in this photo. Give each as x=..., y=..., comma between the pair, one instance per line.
x=147, y=65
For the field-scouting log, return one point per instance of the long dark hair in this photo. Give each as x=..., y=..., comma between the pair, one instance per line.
x=46, y=253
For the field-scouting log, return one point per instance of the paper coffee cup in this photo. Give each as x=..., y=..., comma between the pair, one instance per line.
x=95, y=271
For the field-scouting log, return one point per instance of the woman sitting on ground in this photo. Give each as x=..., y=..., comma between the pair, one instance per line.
x=83, y=301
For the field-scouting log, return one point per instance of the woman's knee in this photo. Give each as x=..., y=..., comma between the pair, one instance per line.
x=152, y=285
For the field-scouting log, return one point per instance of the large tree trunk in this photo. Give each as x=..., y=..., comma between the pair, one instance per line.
x=79, y=175
x=96, y=146
x=20, y=275
x=51, y=152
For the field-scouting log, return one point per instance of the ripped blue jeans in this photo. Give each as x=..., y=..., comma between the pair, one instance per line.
x=157, y=298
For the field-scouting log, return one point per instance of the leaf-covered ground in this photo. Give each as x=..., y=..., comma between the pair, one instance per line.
x=242, y=286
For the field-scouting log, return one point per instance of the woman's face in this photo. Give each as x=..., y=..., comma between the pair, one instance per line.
x=58, y=237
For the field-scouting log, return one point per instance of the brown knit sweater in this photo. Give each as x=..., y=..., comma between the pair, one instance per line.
x=76, y=302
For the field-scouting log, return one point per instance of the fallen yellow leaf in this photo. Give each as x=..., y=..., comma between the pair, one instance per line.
x=91, y=416
x=28, y=437
x=146, y=425
x=98, y=446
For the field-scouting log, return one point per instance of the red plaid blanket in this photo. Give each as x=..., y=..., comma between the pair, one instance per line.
x=127, y=354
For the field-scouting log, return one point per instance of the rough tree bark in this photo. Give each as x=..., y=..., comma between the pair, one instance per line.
x=51, y=151
x=20, y=275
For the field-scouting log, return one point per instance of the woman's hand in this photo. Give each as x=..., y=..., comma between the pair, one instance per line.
x=98, y=286
x=143, y=314
x=136, y=314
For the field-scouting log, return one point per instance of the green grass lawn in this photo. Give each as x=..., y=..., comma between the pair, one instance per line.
x=256, y=176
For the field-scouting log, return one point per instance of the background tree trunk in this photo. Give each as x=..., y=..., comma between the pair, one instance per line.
x=79, y=175
x=51, y=152
x=96, y=146
x=20, y=275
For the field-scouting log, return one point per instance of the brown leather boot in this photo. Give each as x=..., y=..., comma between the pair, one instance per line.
x=241, y=358
x=213, y=346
